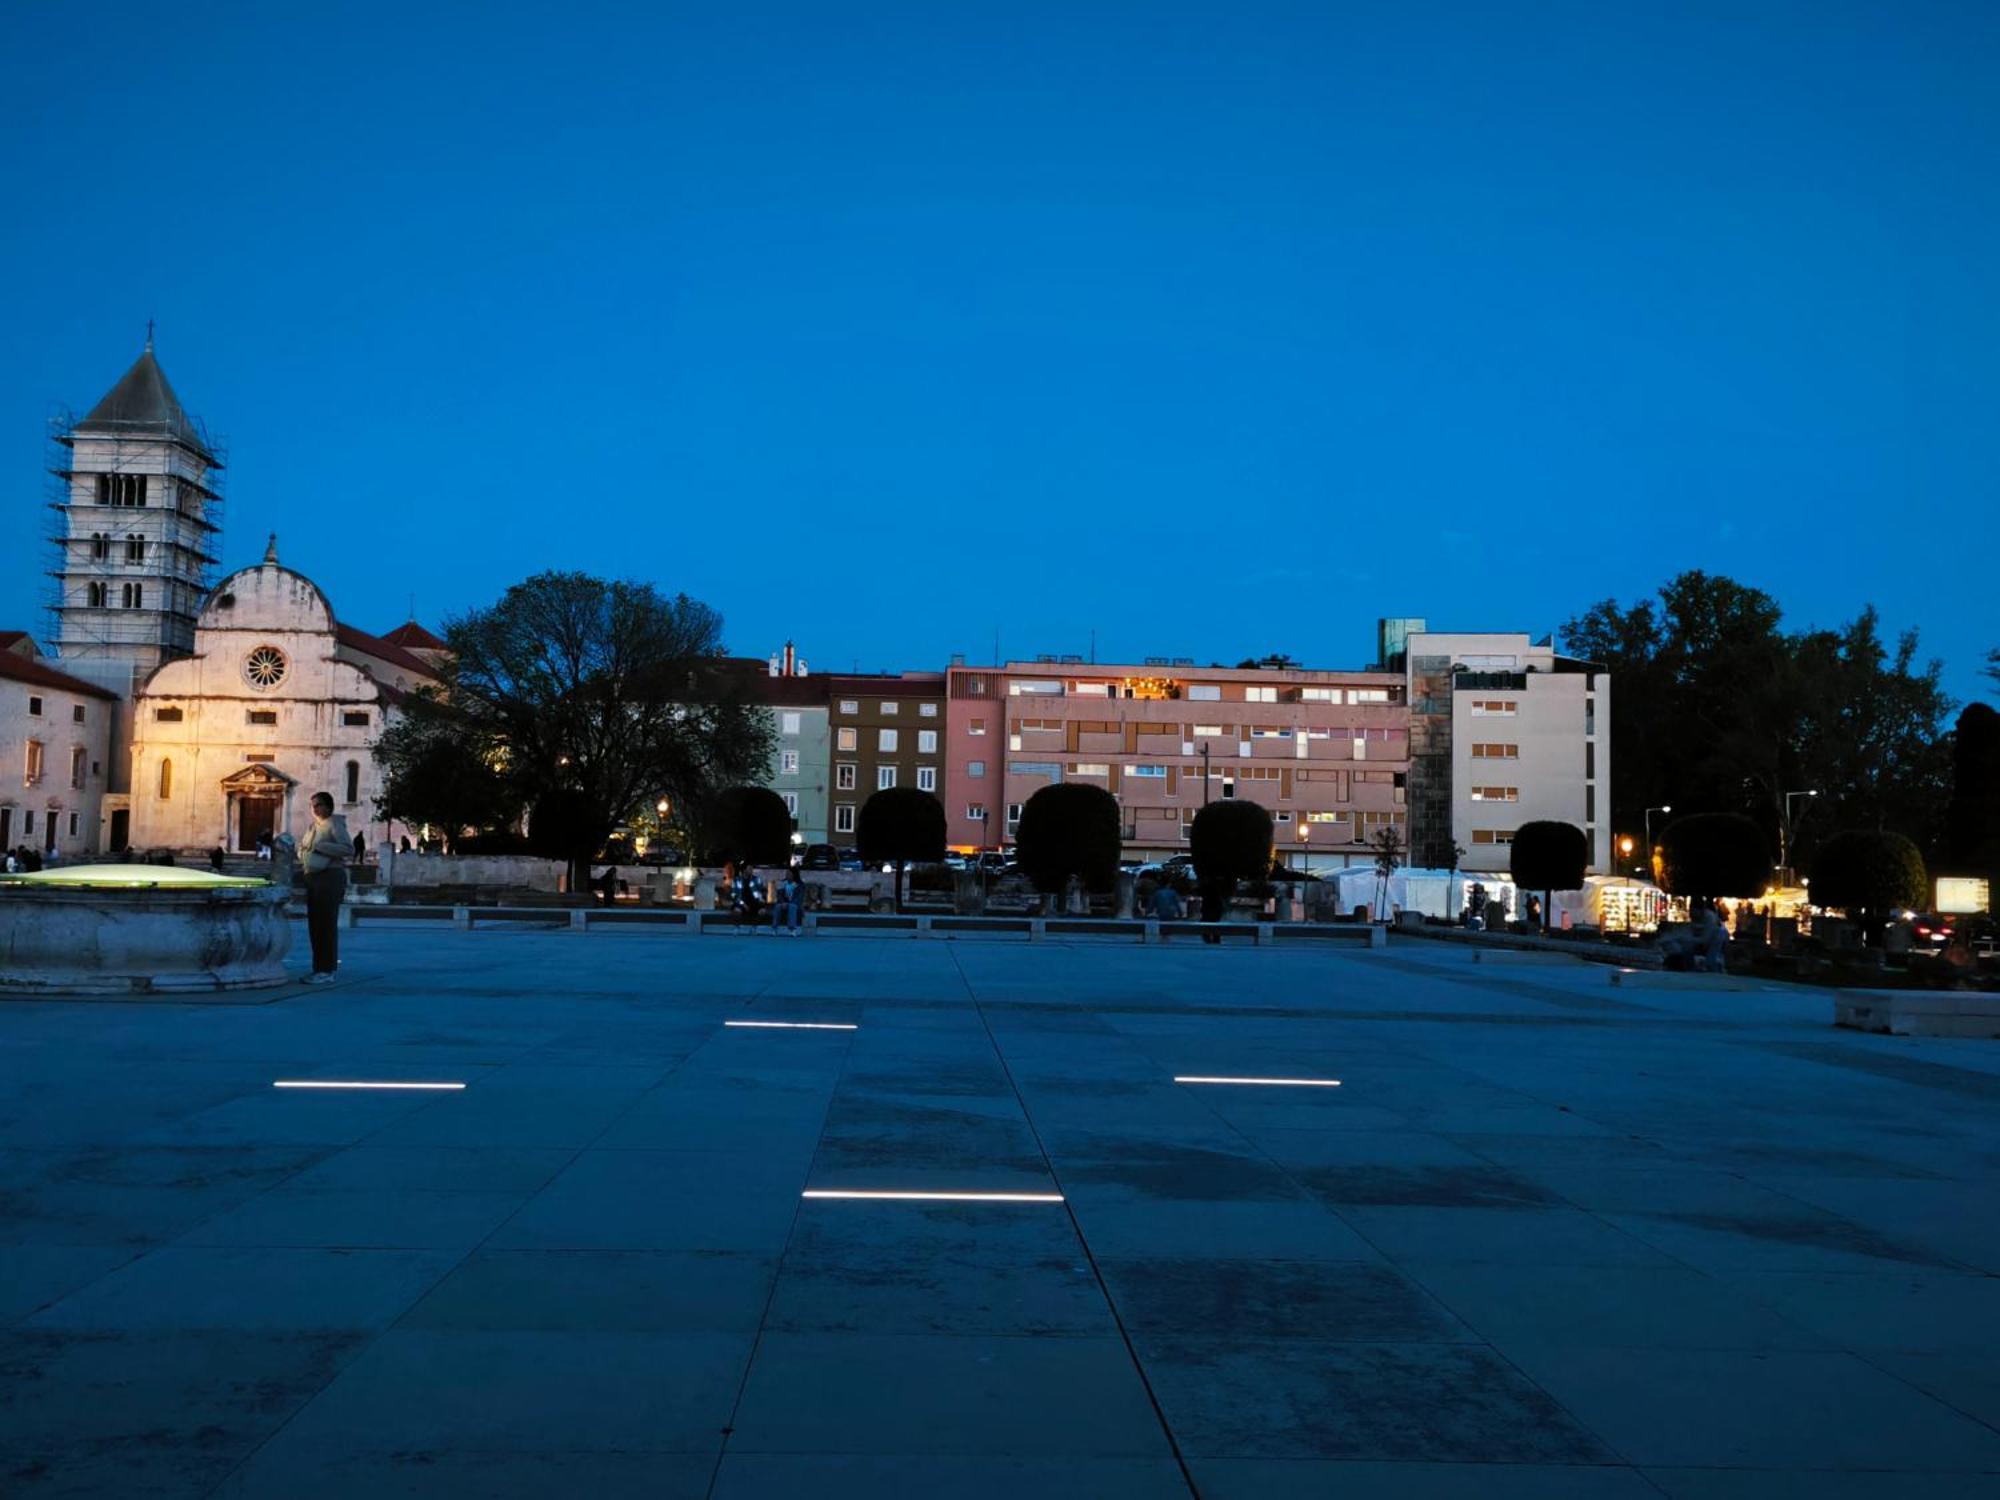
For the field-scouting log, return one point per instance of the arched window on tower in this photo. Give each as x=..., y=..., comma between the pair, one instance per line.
x=100, y=547
x=99, y=595
x=166, y=779
x=353, y=782
x=135, y=548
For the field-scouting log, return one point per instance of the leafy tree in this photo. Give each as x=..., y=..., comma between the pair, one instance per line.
x=1549, y=857
x=1716, y=708
x=748, y=824
x=1972, y=824
x=598, y=697
x=1869, y=874
x=1069, y=828
x=440, y=770
x=901, y=826
x=1715, y=854
x=1388, y=847
x=1230, y=841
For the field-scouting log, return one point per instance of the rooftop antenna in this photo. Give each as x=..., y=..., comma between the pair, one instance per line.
x=149, y=335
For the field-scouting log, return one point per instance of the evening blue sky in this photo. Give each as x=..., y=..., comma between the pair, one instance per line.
x=1217, y=329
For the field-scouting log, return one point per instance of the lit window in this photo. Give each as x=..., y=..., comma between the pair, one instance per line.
x=1260, y=695
x=976, y=811
x=849, y=706
x=1495, y=707
x=891, y=708
x=166, y=779
x=1496, y=794
x=1154, y=771
x=975, y=726
x=843, y=776
x=788, y=762
x=927, y=742
x=885, y=739
x=1367, y=695
x=1090, y=768
x=1030, y=689
x=975, y=769
x=1204, y=692
x=843, y=817
x=31, y=771
x=926, y=778
x=885, y=777
x=1496, y=752
x=1208, y=731
x=927, y=710
x=788, y=723
x=1492, y=835
x=847, y=739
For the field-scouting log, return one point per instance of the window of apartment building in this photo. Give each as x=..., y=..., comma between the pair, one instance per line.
x=166, y=779
x=788, y=762
x=1590, y=716
x=1208, y=731
x=261, y=716
x=927, y=710
x=975, y=726
x=1091, y=690
x=355, y=718
x=135, y=548
x=1492, y=835
x=1204, y=692
x=1013, y=814
x=1090, y=768
x=31, y=767
x=1039, y=726
x=121, y=489
x=28, y=821
x=890, y=707
x=167, y=716
x=1496, y=794
x=843, y=817
x=1281, y=817
x=885, y=777
x=1319, y=695
x=76, y=713
x=847, y=739
x=1495, y=707
x=788, y=723
x=975, y=812
x=353, y=787
x=1260, y=695
x=1360, y=747
x=1030, y=689
x=1590, y=760
x=926, y=778
x=1270, y=734
x=885, y=739
x=1158, y=772
x=843, y=776
x=791, y=802
x=1326, y=817
x=79, y=760
x=975, y=769
x=1496, y=752
x=74, y=823
x=1367, y=695
x=927, y=742
x=1375, y=819
x=1228, y=785
x=850, y=706
x=34, y=707
x=1590, y=804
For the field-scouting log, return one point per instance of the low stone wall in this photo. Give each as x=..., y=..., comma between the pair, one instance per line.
x=1952, y=1013
x=520, y=872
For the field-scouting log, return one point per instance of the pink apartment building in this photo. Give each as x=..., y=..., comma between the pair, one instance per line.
x=1327, y=753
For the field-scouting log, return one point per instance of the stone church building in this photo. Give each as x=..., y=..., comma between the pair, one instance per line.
x=213, y=713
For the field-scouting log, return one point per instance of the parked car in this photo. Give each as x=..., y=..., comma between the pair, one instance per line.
x=850, y=859
x=821, y=857
x=1930, y=930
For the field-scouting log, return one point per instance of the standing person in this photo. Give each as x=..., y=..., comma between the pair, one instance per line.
x=323, y=853
x=216, y=858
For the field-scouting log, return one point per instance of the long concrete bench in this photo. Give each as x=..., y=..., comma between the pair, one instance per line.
x=1936, y=1013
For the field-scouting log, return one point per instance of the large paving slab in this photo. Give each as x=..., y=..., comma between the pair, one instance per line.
x=1546, y=1238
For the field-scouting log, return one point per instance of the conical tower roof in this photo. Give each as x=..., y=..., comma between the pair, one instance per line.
x=143, y=404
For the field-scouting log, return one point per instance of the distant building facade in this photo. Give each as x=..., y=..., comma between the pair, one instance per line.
x=1506, y=732
x=886, y=732
x=1325, y=752
x=800, y=769
x=55, y=736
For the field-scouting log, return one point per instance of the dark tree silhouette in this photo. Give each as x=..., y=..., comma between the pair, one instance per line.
x=1549, y=857
x=1069, y=828
x=901, y=826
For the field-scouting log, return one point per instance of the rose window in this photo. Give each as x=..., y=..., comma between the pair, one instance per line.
x=265, y=667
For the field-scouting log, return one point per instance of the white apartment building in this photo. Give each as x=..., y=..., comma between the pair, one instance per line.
x=1504, y=731
x=55, y=738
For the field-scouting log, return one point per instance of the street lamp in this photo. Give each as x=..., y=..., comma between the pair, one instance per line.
x=1785, y=836
x=1664, y=807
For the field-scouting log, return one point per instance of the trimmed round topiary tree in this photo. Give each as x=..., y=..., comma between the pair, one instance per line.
x=1231, y=841
x=1549, y=857
x=1869, y=874
x=750, y=824
x=1069, y=828
x=901, y=826
x=1714, y=854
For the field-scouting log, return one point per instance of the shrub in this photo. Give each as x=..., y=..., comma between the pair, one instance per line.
x=1230, y=841
x=750, y=824
x=1869, y=874
x=1069, y=828
x=901, y=826
x=1549, y=857
x=1715, y=854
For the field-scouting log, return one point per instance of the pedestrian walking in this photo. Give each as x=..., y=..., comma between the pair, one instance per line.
x=324, y=853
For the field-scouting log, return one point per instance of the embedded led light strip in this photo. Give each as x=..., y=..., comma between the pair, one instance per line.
x=932, y=1197
x=797, y=1025
x=1283, y=1083
x=347, y=1083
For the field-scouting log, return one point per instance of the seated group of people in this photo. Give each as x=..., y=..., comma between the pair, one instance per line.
x=745, y=894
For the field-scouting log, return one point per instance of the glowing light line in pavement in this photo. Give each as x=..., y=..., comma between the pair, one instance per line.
x=1283, y=1083
x=797, y=1025
x=350, y=1083
x=933, y=1197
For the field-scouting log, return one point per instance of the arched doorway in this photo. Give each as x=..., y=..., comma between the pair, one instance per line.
x=259, y=805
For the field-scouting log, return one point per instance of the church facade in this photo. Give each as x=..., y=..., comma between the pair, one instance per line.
x=214, y=711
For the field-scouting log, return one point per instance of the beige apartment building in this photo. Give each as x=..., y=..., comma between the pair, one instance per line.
x=1327, y=753
x=1506, y=732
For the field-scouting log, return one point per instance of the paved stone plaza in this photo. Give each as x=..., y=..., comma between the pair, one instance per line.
x=1549, y=1239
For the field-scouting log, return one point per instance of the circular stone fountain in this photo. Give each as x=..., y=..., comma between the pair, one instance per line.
x=139, y=929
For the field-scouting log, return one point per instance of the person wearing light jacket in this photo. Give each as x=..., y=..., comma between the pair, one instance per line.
x=324, y=853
